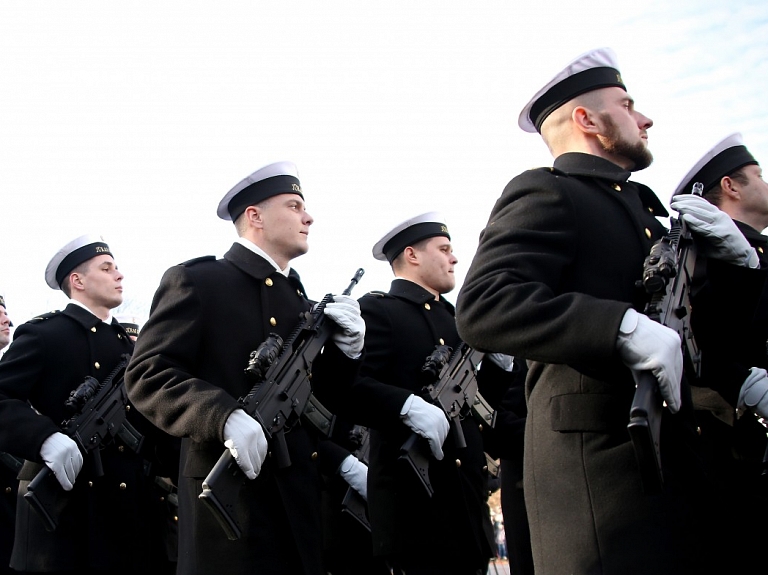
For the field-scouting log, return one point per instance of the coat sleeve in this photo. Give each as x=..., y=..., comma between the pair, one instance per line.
x=160, y=377
x=374, y=403
x=513, y=299
x=23, y=429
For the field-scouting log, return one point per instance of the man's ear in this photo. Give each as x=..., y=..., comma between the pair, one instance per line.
x=584, y=118
x=730, y=188
x=410, y=255
x=76, y=281
x=254, y=215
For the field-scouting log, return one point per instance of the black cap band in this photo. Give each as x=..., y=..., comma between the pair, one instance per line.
x=411, y=235
x=79, y=256
x=723, y=164
x=260, y=191
x=568, y=89
x=131, y=328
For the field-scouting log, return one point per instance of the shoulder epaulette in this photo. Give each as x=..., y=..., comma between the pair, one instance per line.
x=194, y=261
x=44, y=316
x=377, y=293
x=552, y=170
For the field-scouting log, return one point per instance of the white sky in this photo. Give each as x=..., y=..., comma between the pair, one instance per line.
x=133, y=119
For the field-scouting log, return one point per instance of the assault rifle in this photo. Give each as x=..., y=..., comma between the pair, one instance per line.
x=453, y=389
x=667, y=275
x=100, y=411
x=353, y=503
x=282, y=372
x=485, y=416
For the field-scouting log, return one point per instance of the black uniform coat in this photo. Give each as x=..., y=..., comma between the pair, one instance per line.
x=402, y=329
x=348, y=548
x=730, y=323
x=9, y=486
x=108, y=518
x=186, y=376
x=553, y=276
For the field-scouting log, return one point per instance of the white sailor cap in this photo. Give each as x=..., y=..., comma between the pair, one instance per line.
x=72, y=255
x=407, y=233
x=727, y=156
x=590, y=71
x=270, y=180
x=130, y=323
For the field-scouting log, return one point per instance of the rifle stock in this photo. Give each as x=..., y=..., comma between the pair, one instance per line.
x=282, y=371
x=645, y=429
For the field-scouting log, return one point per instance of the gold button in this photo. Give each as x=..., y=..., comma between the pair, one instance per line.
x=617, y=187
x=698, y=430
x=119, y=336
x=162, y=498
x=97, y=365
x=314, y=455
x=268, y=281
x=123, y=486
x=458, y=463
x=480, y=426
x=426, y=307
x=485, y=468
x=121, y=448
x=93, y=329
x=760, y=249
x=650, y=209
x=175, y=518
x=90, y=484
x=648, y=233
x=8, y=489
x=442, y=341
x=272, y=322
x=298, y=291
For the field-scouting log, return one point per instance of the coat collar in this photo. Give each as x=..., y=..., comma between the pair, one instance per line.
x=408, y=290
x=581, y=164
x=82, y=316
x=756, y=240
x=256, y=266
x=751, y=233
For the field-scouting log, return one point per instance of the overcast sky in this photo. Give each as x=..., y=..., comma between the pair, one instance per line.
x=133, y=119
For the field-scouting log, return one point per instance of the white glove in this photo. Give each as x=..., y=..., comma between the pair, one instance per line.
x=754, y=393
x=644, y=344
x=724, y=241
x=245, y=439
x=63, y=457
x=345, y=312
x=426, y=420
x=505, y=362
x=355, y=473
